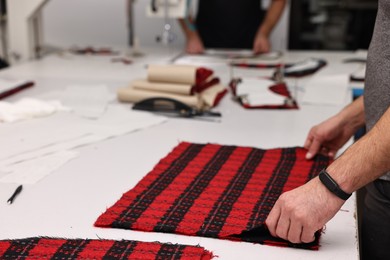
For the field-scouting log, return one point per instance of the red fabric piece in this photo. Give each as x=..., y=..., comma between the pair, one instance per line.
x=56, y=248
x=280, y=89
x=219, y=97
x=214, y=191
x=202, y=74
x=205, y=85
x=16, y=90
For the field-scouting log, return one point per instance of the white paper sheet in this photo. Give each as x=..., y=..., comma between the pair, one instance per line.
x=31, y=140
x=249, y=86
x=30, y=172
x=88, y=101
x=265, y=98
x=327, y=90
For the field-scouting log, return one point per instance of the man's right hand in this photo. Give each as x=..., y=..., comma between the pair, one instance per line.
x=327, y=137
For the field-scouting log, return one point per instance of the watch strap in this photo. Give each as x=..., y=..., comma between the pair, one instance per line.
x=332, y=185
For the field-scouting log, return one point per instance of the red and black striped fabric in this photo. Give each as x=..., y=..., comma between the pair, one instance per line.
x=214, y=191
x=57, y=248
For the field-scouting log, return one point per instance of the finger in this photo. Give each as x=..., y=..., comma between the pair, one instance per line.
x=308, y=142
x=313, y=149
x=307, y=235
x=332, y=153
x=272, y=219
x=295, y=232
x=283, y=226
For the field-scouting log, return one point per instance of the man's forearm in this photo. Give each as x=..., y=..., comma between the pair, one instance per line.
x=274, y=12
x=352, y=116
x=187, y=31
x=366, y=160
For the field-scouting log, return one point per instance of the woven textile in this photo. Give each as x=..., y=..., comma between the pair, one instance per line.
x=214, y=191
x=64, y=249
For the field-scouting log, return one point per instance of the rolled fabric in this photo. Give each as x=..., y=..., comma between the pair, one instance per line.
x=143, y=84
x=180, y=74
x=212, y=95
x=133, y=95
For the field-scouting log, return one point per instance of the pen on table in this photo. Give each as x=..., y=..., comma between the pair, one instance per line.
x=17, y=191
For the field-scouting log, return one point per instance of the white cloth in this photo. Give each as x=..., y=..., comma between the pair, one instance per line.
x=27, y=108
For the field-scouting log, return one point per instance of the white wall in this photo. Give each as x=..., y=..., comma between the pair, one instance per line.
x=103, y=22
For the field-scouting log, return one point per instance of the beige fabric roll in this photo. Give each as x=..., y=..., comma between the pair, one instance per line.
x=135, y=95
x=182, y=89
x=209, y=95
x=181, y=74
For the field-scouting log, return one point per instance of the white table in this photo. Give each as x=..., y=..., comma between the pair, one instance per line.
x=67, y=203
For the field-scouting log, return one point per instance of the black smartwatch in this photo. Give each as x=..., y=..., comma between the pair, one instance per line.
x=332, y=185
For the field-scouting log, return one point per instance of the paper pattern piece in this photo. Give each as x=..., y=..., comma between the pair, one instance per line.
x=57, y=248
x=214, y=191
x=32, y=171
x=88, y=101
x=32, y=139
x=327, y=90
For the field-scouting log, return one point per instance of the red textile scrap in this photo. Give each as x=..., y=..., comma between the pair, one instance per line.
x=215, y=191
x=57, y=248
x=204, y=85
x=202, y=74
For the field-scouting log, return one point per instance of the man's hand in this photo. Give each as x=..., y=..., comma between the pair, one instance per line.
x=327, y=137
x=299, y=213
x=194, y=44
x=261, y=44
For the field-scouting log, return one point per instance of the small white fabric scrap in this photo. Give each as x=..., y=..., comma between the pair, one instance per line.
x=27, y=108
x=32, y=171
x=249, y=86
x=264, y=98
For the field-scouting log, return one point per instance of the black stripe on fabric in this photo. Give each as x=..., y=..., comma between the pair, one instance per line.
x=273, y=188
x=170, y=251
x=222, y=208
x=71, y=249
x=120, y=250
x=184, y=202
x=320, y=162
x=20, y=249
x=146, y=198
